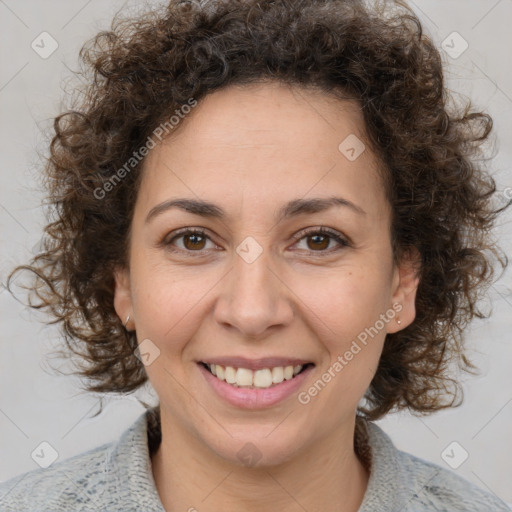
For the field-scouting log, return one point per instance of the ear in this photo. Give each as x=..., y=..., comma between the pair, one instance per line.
x=122, y=296
x=405, y=285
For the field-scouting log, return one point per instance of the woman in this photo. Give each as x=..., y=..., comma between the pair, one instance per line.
x=267, y=210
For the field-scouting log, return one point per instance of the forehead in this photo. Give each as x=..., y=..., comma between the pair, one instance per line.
x=267, y=142
x=272, y=114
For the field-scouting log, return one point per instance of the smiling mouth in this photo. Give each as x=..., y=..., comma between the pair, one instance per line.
x=258, y=379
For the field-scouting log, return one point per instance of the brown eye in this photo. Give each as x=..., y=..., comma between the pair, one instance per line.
x=193, y=241
x=319, y=241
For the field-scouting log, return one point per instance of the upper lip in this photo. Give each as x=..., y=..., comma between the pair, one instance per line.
x=255, y=364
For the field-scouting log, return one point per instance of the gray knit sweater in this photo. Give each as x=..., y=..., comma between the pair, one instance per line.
x=117, y=476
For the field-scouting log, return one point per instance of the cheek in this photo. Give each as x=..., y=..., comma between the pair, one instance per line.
x=344, y=301
x=168, y=302
x=344, y=315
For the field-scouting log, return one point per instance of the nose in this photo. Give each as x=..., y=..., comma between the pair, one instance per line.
x=254, y=298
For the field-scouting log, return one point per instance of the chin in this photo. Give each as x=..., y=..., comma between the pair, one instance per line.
x=258, y=453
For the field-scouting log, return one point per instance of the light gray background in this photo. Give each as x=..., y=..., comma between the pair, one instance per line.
x=37, y=405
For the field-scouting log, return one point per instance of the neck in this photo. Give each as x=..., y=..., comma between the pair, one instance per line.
x=190, y=476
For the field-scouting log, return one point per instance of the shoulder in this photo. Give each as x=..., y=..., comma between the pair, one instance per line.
x=115, y=476
x=438, y=488
x=70, y=484
x=402, y=481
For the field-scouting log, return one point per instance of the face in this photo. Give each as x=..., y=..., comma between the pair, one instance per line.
x=257, y=284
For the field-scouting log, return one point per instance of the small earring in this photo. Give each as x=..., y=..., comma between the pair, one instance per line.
x=398, y=321
x=126, y=321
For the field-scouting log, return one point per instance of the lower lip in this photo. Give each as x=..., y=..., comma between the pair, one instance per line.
x=255, y=398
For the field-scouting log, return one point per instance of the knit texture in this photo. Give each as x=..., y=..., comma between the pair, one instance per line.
x=117, y=476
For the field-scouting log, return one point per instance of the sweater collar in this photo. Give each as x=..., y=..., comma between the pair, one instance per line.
x=386, y=484
x=130, y=462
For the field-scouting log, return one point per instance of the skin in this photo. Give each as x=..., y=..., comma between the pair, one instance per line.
x=250, y=149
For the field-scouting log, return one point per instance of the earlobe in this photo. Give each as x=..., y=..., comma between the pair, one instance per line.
x=408, y=277
x=122, y=296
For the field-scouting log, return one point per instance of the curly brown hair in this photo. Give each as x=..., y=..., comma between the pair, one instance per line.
x=146, y=67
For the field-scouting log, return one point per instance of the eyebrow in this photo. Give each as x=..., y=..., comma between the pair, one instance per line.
x=291, y=209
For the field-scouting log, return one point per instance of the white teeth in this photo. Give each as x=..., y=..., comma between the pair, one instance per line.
x=263, y=378
x=277, y=374
x=244, y=377
x=219, y=371
x=230, y=374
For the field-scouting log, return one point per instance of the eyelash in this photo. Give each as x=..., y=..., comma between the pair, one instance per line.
x=298, y=237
